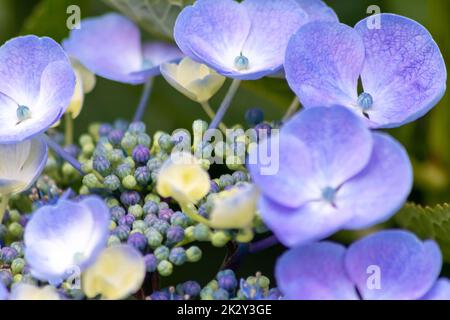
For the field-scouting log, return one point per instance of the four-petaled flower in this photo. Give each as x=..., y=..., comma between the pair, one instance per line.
x=110, y=46
x=402, y=70
x=36, y=85
x=334, y=174
x=388, y=265
x=242, y=40
x=66, y=238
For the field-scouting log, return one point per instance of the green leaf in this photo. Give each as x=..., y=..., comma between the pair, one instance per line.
x=49, y=18
x=428, y=223
x=155, y=16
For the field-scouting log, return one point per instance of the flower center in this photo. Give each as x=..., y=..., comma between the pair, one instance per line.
x=328, y=194
x=365, y=101
x=241, y=62
x=23, y=113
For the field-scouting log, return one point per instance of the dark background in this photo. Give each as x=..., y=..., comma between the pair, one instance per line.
x=426, y=140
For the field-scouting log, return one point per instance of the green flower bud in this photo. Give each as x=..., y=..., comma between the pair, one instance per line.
x=139, y=225
x=154, y=238
x=165, y=268
x=130, y=162
x=144, y=139
x=162, y=253
x=129, y=141
x=189, y=233
x=87, y=166
x=152, y=197
x=85, y=139
x=68, y=170
x=202, y=232
x=112, y=225
x=88, y=149
x=112, y=202
x=165, y=142
x=136, y=211
x=219, y=239
x=84, y=190
x=245, y=235
x=113, y=240
x=177, y=256
x=194, y=254
x=213, y=284
x=112, y=182
x=129, y=182
x=116, y=156
x=93, y=130
x=263, y=282
x=14, y=216
x=17, y=265
x=91, y=181
x=16, y=230
x=17, y=278
x=207, y=294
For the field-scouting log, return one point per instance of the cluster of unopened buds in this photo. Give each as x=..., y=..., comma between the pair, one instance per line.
x=112, y=215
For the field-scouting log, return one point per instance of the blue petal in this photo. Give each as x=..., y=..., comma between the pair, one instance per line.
x=323, y=63
x=109, y=46
x=440, y=290
x=404, y=70
x=317, y=10
x=315, y=272
x=65, y=236
x=381, y=189
x=407, y=267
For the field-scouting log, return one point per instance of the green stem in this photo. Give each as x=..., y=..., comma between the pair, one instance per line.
x=3, y=205
x=68, y=136
x=225, y=104
x=295, y=104
x=190, y=210
x=211, y=114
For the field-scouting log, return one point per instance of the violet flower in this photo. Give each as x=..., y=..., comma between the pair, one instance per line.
x=334, y=174
x=36, y=86
x=387, y=265
x=66, y=238
x=402, y=70
x=110, y=46
x=245, y=41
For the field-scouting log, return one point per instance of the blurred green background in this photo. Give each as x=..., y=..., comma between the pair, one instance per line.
x=426, y=140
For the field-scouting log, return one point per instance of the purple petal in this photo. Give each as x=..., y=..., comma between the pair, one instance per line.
x=404, y=70
x=109, y=46
x=317, y=10
x=273, y=22
x=407, y=267
x=440, y=290
x=315, y=272
x=279, y=178
x=323, y=64
x=66, y=236
x=381, y=189
x=338, y=142
x=313, y=221
x=3, y=292
x=35, y=73
x=213, y=32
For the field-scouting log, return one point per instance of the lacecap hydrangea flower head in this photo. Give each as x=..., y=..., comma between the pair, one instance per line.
x=387, y=265
x=244, y=40
x=110, y=46
x=402, y=70
x=36, y=86
x=334, y=174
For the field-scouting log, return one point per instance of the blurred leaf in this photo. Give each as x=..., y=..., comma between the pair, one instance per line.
x=428, y=223
x=155, y=16
x=49, y=18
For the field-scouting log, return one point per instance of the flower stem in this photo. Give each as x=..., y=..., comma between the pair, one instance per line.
x=68, y=130
x=225, y=104
x=62, y=153
x=140, y=110
x=295, y=104
x=264, y=244
x=190, y=210
x=3, y=205
x=211, y=114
